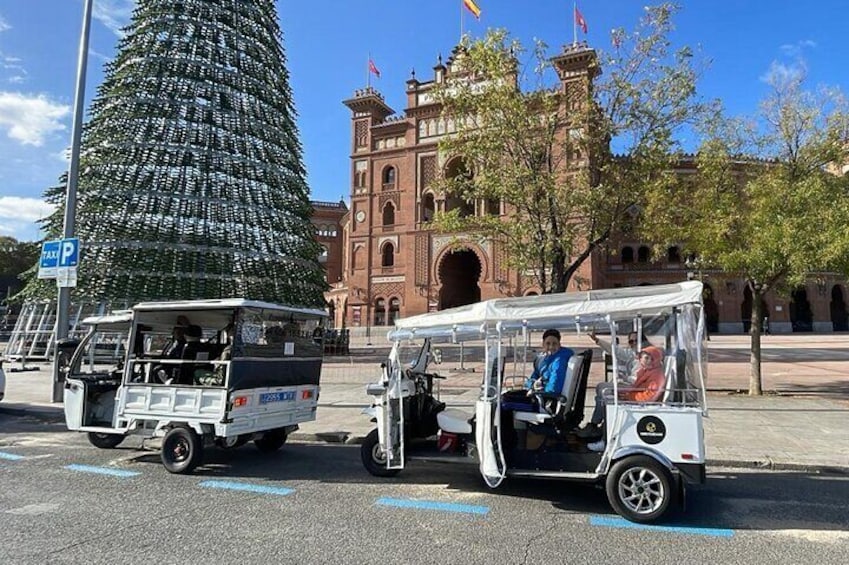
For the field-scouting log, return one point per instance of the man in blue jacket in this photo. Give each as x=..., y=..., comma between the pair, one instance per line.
x=550, y=369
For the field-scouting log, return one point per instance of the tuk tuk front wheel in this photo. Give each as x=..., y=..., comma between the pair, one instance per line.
x=105, y=441
x=640, y=489
x=271, y=440
x=182, y=450
x=374, y=459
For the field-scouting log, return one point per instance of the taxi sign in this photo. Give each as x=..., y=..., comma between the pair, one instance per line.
x=49, y=259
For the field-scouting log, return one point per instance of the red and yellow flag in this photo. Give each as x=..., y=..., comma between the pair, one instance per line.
x=472, y=6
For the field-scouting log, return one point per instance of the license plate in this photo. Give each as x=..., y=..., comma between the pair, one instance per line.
x=268, y=397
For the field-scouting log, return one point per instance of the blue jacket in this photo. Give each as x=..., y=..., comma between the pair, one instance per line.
x=552, y=370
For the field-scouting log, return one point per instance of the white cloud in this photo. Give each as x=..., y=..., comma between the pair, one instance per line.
x=98, y=55
x=29, y=119
x=23, y=209
x=114, y=14
x=18, y=216
x=779, y=73
x=795, y=49
x=3, y=25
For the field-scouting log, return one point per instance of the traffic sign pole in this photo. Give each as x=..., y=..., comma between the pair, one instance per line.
x=64, y=299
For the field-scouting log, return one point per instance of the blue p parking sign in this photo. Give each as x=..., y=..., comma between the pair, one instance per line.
x=69, y=252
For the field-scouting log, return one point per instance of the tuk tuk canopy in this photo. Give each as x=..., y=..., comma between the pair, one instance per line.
x=511, y=315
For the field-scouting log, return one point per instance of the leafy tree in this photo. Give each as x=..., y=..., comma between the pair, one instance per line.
x=15, y=258
x=192, y=183
x=776, y=215
x=544, y=149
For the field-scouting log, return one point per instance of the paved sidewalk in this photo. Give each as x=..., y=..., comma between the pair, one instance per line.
x=801, y=423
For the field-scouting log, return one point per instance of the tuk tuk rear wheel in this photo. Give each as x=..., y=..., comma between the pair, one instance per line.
x=105, y=441
x=182, y=450
x=271, y=440
x=640, y=489
x=374, y=460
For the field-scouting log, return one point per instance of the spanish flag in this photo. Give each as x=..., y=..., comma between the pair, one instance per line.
x=473, y=8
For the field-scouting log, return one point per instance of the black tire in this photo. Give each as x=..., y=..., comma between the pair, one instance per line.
x=271, y=440
x=640, y=489
x=373, y=459
x=182, y=450
x=105, y=441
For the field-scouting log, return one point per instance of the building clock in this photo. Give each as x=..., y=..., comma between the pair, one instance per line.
x=361, y=216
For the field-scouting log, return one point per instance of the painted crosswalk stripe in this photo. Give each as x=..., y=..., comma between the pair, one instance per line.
x=102, y=471
x=608, y=522
x=10, y=456
x=432, y=505
x=246, y=487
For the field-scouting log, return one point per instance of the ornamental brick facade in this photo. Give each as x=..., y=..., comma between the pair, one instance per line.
x=389, y=265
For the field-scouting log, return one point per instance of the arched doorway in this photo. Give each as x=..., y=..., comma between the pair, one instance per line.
x=711, y=310
x=801, y=315
x=839, y=316
x=459, y=273
x=380, y=312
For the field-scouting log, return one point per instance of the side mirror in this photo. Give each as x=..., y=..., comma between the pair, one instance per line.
x=436, y=355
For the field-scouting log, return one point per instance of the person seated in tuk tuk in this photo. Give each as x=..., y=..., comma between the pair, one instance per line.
x=647, y=387
x=548, y=374
x=626, y=357
x=174, y=348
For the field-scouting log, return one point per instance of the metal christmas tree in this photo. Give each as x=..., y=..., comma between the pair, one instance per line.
x=192, y=183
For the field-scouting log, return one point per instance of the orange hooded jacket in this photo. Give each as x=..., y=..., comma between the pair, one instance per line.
x=650, y=382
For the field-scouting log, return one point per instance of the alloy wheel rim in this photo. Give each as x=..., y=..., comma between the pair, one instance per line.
x=641, y=490
x=377, y=455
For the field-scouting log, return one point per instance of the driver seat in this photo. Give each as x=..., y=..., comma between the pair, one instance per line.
x=455, y=421
x=567, y=395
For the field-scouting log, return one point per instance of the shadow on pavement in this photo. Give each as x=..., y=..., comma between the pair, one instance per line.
x=831, y=389
x=750, y=500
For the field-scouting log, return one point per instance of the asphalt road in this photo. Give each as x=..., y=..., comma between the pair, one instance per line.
x=320, y=506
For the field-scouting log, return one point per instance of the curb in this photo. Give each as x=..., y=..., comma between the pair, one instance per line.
x=45, y=414
x=328, y=437
x=770, y=465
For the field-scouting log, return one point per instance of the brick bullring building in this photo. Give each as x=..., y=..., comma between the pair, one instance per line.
x=392, y=266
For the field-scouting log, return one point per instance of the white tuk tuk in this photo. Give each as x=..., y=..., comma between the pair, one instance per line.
x=193, y=373
x=652, y=448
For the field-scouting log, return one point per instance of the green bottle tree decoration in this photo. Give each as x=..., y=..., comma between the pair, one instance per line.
x=192, y=182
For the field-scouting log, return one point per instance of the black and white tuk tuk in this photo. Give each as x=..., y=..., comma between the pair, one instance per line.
x=652, y=450
x=198, y=372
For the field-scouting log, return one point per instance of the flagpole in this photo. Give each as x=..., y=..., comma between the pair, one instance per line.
x=368, y=71
x=575, y=23
x=461, y=21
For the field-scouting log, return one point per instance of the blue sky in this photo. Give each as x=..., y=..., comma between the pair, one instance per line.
x=327, y=44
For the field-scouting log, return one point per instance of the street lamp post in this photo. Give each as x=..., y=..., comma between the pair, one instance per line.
x=64, y=298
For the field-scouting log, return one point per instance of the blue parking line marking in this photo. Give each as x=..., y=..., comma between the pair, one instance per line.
x=102, y=471
x=247, y=487
x=10, y=456
x=432, y=505
x=623, y=523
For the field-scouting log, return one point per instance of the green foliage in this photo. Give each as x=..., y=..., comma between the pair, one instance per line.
x=192, y=183
x=775, y=216
x=15, y=258
x=545, y=151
